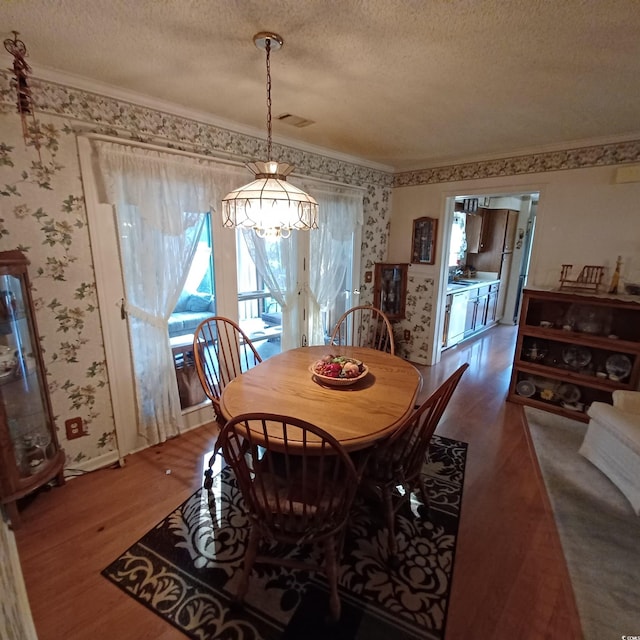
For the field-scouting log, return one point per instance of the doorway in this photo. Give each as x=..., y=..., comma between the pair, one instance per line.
x=489, y=242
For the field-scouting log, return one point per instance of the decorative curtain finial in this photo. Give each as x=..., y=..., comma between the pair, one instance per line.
x=25, y=104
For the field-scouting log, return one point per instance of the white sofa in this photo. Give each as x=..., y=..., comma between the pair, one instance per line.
x=612, y=442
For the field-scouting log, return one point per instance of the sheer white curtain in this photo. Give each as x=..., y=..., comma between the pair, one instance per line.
x=331, y=249
x=160, y=199
x=276, y=261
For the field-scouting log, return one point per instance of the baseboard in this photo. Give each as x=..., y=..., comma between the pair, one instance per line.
x=105, y=460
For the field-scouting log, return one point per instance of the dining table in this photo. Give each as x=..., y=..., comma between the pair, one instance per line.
x=357, y=416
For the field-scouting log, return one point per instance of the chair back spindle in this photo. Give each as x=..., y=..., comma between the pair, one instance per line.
x=298, y=484
x=364, y=326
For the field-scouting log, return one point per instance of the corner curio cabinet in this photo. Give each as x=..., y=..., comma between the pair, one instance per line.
x=30, y=455
x=390, y=289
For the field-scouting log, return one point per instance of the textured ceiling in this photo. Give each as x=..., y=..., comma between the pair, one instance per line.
x=407, y=84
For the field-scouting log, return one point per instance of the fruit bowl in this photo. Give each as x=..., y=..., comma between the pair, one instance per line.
x=338, y=371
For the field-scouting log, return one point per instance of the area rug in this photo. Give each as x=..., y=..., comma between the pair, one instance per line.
x=598, y=529
x=186, y=568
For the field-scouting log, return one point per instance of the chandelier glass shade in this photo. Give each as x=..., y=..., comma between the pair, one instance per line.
x=270, y=205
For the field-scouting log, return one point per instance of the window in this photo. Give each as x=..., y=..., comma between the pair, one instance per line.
x=197, y=300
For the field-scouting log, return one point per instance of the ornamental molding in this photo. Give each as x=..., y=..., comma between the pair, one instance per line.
x=580, y=158
x=91, y=112
x=98, y=113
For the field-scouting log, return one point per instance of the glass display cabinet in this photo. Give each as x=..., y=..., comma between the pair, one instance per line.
x=30, y=455
x=390, y=289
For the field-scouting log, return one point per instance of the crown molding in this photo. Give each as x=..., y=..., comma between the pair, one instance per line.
x=83, y=83
x=592, y=155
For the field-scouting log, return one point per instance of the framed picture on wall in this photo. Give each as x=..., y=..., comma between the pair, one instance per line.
x=423, y=242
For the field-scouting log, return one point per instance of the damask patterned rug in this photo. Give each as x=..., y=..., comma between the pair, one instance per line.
x=186, y=568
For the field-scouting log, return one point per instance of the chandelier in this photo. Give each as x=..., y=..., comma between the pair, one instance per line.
x=270, y=205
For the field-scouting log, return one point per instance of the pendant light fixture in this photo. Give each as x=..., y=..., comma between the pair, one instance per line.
x=269, y=205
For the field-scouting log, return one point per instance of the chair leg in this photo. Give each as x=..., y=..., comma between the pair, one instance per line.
x=424, y=494
x=390, y=513
x=331, y=569
x=249, y=558
x=208, y=474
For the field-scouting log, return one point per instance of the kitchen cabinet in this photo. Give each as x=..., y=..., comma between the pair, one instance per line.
x=510, y=230
x=477, y=310
x=574, y=349
x=476, y=230
x=455, y=323
x=447, y=319
x=470, y=308
x=492, y=303
x=30, y=455
x=390, y=289
x=499, y=239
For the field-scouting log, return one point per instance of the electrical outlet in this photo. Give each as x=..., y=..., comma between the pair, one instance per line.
x=74, y=428
x=407, y=334
x=368, y=276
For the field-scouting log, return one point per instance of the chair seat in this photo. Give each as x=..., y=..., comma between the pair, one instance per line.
x=275, y=495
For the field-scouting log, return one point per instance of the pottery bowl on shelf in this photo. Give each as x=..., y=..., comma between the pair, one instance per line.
x=632, y=288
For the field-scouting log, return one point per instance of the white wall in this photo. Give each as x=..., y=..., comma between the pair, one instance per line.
x=583, y=217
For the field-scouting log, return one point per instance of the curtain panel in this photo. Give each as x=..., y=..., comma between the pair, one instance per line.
x=331, y=249
x=160, y=200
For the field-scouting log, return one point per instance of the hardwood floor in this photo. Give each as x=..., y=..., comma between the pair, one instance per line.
x=510, y=578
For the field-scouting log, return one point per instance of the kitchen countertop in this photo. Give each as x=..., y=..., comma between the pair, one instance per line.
x=468, y=284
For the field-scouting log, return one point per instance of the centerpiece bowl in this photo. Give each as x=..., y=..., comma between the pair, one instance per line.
x=338, y=371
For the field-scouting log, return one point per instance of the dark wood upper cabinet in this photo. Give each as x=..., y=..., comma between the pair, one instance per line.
x=476, y=231
x=497, y=237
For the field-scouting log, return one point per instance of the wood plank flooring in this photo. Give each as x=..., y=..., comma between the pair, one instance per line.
x=510, y=578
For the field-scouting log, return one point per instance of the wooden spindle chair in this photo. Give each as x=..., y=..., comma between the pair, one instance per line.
x=222, y=351
x=364, y=326
x=295, y=493
x=398, y=461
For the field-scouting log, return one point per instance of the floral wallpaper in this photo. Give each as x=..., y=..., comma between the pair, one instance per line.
x=42, y=212
x=418, y=318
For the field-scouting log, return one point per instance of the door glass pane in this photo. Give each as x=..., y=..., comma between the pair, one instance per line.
x=195, y=304
x=197, y=300
x=344, y=300
x=259, y=315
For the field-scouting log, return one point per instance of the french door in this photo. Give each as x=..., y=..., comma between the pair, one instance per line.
x=286, y=284
x=305, y=259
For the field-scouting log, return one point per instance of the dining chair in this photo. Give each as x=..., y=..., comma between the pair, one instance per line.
x=364, y=326
x=222, y=351
x=298, y=484
x=397, y=462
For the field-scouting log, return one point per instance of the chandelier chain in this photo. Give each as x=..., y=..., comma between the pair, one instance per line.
x=268, y=47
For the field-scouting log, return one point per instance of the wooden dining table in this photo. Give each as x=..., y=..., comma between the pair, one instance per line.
x=357, y=416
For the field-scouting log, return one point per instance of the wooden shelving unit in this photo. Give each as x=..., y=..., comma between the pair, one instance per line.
x=575, y=349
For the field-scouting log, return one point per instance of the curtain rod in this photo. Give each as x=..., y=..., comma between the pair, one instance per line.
x=156, y=147
x=200, y=156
